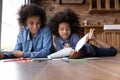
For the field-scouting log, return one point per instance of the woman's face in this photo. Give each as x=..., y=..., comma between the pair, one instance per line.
x=64, y=30
x=33, y=23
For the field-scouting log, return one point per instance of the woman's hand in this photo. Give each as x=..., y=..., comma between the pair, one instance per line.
x=18, y=54
x=2, y=56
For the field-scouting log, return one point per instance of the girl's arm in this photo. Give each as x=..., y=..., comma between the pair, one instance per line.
x=53, y=40
x=92, y=37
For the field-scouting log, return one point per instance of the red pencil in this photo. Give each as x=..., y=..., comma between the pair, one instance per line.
x=19, y=59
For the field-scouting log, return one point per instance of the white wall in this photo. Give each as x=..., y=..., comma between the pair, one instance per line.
x=9, y=25
x=0, y=19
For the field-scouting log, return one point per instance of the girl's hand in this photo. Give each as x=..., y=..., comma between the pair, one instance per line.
x=53, y=39
x=2, y=56
x=74, y=54
x=92, y=35
x=66, y=45
x=18, y=54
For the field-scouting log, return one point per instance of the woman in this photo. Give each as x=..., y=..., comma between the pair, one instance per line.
x=34, y=39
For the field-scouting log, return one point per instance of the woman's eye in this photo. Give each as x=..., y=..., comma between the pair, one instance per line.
x=31, y=23
x=38, y=23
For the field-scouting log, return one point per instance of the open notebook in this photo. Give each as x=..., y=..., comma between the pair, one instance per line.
x=66, y=51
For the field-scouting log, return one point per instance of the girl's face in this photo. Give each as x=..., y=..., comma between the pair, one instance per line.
x=64, y=30
x=33, y=23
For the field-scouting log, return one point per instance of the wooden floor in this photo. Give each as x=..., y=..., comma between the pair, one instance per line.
x=105, y=68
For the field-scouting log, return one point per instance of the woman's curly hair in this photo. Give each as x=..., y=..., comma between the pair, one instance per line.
x=67, y=15
x=29, y=10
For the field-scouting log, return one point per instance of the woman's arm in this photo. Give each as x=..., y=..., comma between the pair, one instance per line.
x=42, y=47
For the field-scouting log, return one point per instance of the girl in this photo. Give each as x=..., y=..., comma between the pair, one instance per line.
x=64, y=25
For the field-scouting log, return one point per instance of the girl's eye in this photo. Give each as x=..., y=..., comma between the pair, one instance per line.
x=61, y=29
x=68, y=29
